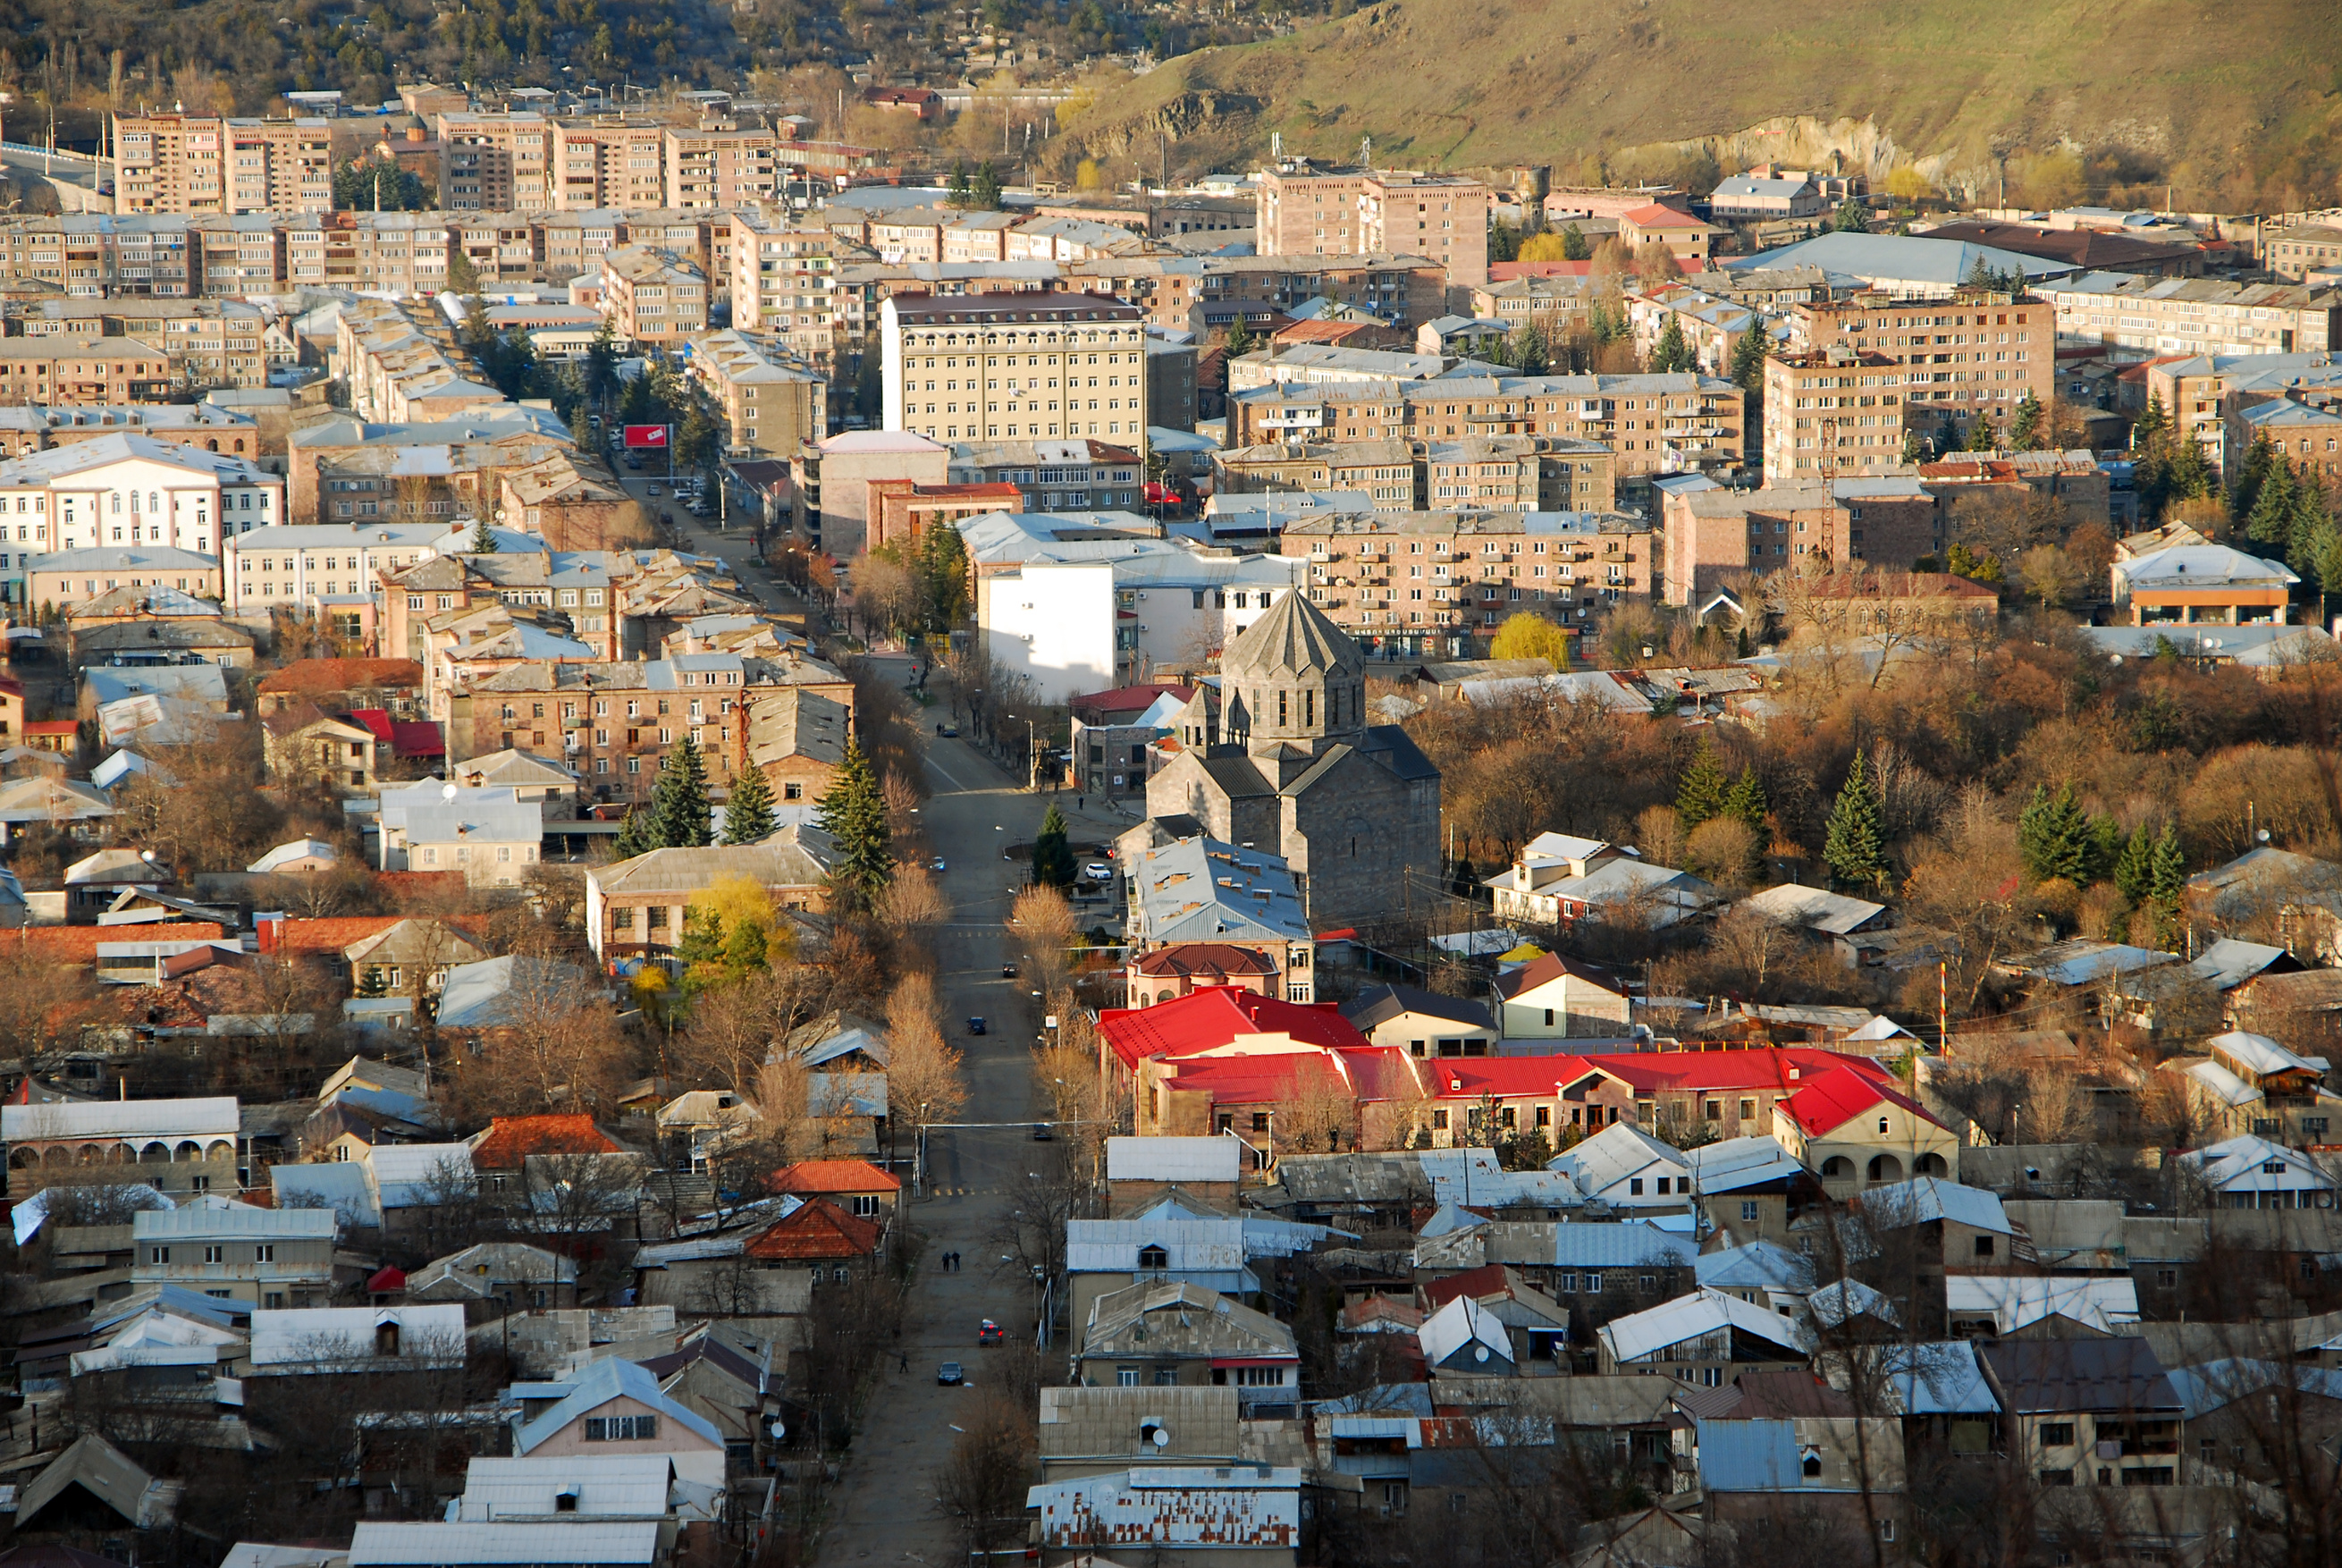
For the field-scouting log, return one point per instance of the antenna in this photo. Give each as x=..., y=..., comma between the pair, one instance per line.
x=1276, y=146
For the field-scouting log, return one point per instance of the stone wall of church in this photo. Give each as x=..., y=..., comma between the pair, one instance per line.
x=1365, y=841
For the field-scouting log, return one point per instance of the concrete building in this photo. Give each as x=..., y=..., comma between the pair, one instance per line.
x=128, y=491
x=1973, y=355
x=2191, y=584
x=1711, y=536
x=267, y=1258
x=652, y=296
x=1302, y=209
x=2299, y=249
x=1830, y=412
x=1746, y=197
x=179, y=163
x=953, y=368
x=772, y=404
x=785, y=283
x=2156, y=316
x=832, y=481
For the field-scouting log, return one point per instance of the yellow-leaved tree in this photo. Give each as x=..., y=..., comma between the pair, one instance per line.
x=1525, y=635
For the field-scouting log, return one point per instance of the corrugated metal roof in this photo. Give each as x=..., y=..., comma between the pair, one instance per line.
x=1190, y=1245
x=2052, y=1377
x=457, y=1546
x=213, y=1116
x=1173, y=1159
x=1464, y=1322
x=1621, y=1246
x=191, y=1223
x=598, y=1385
x=1641, y=1334
x=1940, y=1377
x=1759, y=1265
x=630, y=1484
x=308, y=1336
x=1746, y=1456
x=1926, y=1198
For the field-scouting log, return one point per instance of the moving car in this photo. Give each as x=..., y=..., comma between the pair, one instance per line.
x=1008, y=971
x=937, y=864
x=949, y=732
x=988, y=1332
x=1042, y=1133
x=651, y=490
x=975, y=1026
x=950, y=1374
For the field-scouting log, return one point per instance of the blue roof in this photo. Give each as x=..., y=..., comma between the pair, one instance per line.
x=1940, y=1377
x=2206, y=1388
x=1749, y=1456
x=1620, y=1246
x=601, y=1383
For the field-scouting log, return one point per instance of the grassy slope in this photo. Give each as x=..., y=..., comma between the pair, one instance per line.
x=1452, y=83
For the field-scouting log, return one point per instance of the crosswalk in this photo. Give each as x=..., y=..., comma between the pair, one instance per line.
x=962, y=1192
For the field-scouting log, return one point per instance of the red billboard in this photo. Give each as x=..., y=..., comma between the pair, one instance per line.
x=646, y=435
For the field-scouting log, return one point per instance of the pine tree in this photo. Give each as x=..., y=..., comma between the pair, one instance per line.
x=703, y=937
x=1053, y=857
x=679, y=800
x=2104, y=839
x=853, y=813
x=634, y=836
x=1913, y=450
x=1532, y=355
x=1700, y=794
x=2147, y=431
x=2168, y=870
x=1746, y=803
x=1239, y=338
x=2134, y=872
x=1671, y=353
x=1852, y=218
x=1575, y=246
x=748, y=812
x=1748, y=361
x=1982, y=436
x=2025, y=427
x=2260, y=459
x=2053, y=836
x=1852, y=850
x=484, y=539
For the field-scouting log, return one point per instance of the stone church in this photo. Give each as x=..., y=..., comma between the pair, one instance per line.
x=1278, y=755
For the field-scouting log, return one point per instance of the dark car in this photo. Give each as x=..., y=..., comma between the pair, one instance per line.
x=988, y=1332
x=1042, y=1133
x=1008, y=971
x=975, y=1026
x=950, y=1375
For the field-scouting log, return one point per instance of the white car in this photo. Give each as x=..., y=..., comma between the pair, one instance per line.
x=651, y=490
x=1098, y=871
x=937, y=864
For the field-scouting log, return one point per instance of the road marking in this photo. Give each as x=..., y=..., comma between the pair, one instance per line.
x=945, y=772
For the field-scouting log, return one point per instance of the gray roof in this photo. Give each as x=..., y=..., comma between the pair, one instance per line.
x=1929, y=1198
x=1938, y=1378
x=1911, y=258
x=1628, y=1245
x=797, y=856
x=1379, y=1003
x=2054, y=1377
x=1197, y=889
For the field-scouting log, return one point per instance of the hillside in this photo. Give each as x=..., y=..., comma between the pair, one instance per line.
x=2239, y=104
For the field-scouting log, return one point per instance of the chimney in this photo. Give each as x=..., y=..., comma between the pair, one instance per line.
x=268, y=928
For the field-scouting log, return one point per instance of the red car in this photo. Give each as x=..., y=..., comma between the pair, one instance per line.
x=988, y=1332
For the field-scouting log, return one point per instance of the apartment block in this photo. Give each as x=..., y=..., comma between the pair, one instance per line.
x=785, y=281
x=204, y=163
x=1481, y=473
x=82, y=371
x=206, y=342
x=610, y=161
x=1711, y=538
x=772, y=403
x=238, y=256
x=1974, y=356
x=719, y=168
x=652, y=296
x=1712, y=327
x=1070, y=475
x=1831, y=413
x=1416, y=581
x=2156, y=316
x=127, y=491
x=2204, y=395
x=495, y=162
x=1308, y=209
x=397, y=371
x=2302, y=248
x=346, y=470
x=985, y=367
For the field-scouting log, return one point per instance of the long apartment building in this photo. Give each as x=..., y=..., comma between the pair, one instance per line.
x=205, y=341
x=1649, y=424
x=1308, y=209
x=398, y=372
x=205, y=163
x=1420, y=581
x=988, y=367
x=1974, y=356
x=2299, y=249
x=772, y=404
x=528, y=162
x=1479, y=472
x=2153, y=317
x=1715, y=537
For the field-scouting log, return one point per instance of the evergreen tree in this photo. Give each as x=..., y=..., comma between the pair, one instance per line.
x=1053, y=857
x=2025, y=429
x=1575, y=246
x=1503, y=242
x=2148, y=430
x=958, y=194
x=2105, y=848
x=984, y=187
x=2189, y=476
x=1980, y=276
x=484, y=539
x=1239, y=338
x=679, y=799
x=1914, y=451
x=1531, y=354
x=2135, y=871
x=1852, y=850
x=748, y=812
x=1671, y=353
x=1852, y=218
x=1701, y=792
x=854, y=814
x=703, y=937
x=1748, y=368
x=1982, y=436
x=2261, y=460
x=634, y=836
x=2168, y=870
x=1746, y=803
x=601, y=364
x=463, y=277
x=745, y=948
x=2053, y=836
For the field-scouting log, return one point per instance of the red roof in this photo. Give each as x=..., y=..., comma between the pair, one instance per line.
x=818, y=1232
x=510, y=1138
x=1487, y=1280
x=1213, y=1019
x=417, y=738
x=50, y=726
x=1507, y=270
x=77, y=944
x=326, y=676
x=1091, y=708
x=1206, y=958
x=1698, y=1071
x=385, y=1280
x=1830, y=1100
x=1656, y=217
x=375, y=720
x=809, y=1178
x=1505, y=1077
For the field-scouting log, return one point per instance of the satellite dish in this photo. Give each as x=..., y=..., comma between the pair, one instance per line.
x=779, y=1429
x=1479, y=1352
x=1161, y=1438
x=447, y=791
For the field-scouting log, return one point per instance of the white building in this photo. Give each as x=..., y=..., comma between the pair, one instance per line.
x=491, y=835
x=267, y=1258
x=126, y=490
x=287, y=564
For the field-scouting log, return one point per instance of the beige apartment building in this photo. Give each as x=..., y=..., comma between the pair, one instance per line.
x=1713, y=538
x=1419, y=581
x=96, y=256
x=1306, y=209
x=2302, y=248
x=720, y=168
x=204, y=164
x=1831, y=413
x=1975, y=355
x=209, y=342
x=652, y=296
x=785, y=281
x=236, y=255
x=495, y=163
x=988, y=366
x=83, y=371
x=1181, y=293
x=2154, y=316
x=771, y=402
x=610, y=161
x=1481, y=473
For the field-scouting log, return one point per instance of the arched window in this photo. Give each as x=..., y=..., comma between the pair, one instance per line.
x=1886, y=1168
x=117, y=503
x=1930, y=1166
x=1836, y=1165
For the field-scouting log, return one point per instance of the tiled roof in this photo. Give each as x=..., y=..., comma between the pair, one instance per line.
x=812, y=1177
x=509, y=1139
x=77, y=944
x=315, y=676
x=817, y=1231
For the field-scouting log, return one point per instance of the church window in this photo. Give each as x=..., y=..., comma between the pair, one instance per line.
x=1333, y=706
x=1309, y=708
x=1281, y=720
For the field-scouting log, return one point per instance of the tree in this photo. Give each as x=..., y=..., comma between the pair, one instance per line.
x=1851, y=218
x=1914, y=451
x=1748, y=368
x=942, y=571
x=1747, y=802
x=1852, y=850
x=1503, y=242
x=1700, y=794
x=1239, y=338
x=1528, y=635
x=853, y=811
x=1575, y=246
x=1053, y=857
x=1528, y=352
x=2053, y=838
x=2025, y=428
x=463, y=277
x=1543, y=246
x=2049, y=573
x=2166, y=870
x=748, y=812
x=2148, y=430
x=2260, y=460
x=1982, y=436
x=634, y=836
x=1671, y=353
x=483, y=539
x=2135, y=868
x=679, y=800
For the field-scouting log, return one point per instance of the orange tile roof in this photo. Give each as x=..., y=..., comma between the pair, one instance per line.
x=818, y=1232
x=316, y=938
x=810, y=1177
x=511, y=1138
x=329, y=675
x=77, y=944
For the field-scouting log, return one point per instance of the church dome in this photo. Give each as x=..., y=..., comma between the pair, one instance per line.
x=1293, y=679
x=1295, y=641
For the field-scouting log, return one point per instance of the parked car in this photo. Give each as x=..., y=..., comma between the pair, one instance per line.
x=950, y=1374
x=1098, y=871
x=1042, y=1133
x=976, y=1026
x=948, y=732
x=988, y=1332
x=652, y=490
x=937, y=864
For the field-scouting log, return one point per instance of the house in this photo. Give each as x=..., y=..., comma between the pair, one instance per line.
x=491, y=835
x=1824, y=915
x=726, y=1372
x=507, y=1142
x=2191, y=584
x=1751, y=1188
x=857, y=1186
x=636, y=908
x=1185, y=890
x=1086, y=1431
x=1185, y=966
x=478, y=1001
x=1554, y=997
x=1181, y=1516
x=2033, y=1306
x=1761, y=1274
x=345, y=1187
x=1853, y=1131
x=1626, y=1167
x=1174, y=1334
x=617, y=1407
x=2252, y=1173
x=1557, y=878
x=93, y=1486
x=1103, y=1256
x=272, y=1258
x=1422, y=1023
x=1466, y=1337
x=2248, y=1084
x=333, y=1341
x=2247, y=1419
x=306, y=746
x=616, y=1543
x=180, y=1146
x=493, y=1278
x=820, y=1237
x=551, y=783
x=1706, y=1339
x=1140, y=1171
x=301, y=857
x=566, y=1489
x=2089, y=1412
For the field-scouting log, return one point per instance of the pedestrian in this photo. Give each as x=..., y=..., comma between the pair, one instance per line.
x=906, y=1363
x=1077, y=802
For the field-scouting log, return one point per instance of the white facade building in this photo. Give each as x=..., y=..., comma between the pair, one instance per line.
x=128, y=490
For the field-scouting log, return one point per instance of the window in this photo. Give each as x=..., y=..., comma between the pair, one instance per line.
x=214, y=1255
x=1748, y=1210
x=158, y=1254
x=1593, y=1283
x=1634, y=1186
x=620, y=1428
x=1126, y=1376
x=1747, y=1110
x=2056, y=1434
x=1565, y=1283
x=1650, y=1284
x=1439, y=1121
x=1154, y=1257
x=385, y=1339
x=1260, y=1377
x=2167, y=1277
x=1260, y=1120
x=264, y=1252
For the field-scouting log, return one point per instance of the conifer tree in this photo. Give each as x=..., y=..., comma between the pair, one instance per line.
x=1982, y=436
x=2167, y=873
x=1852, y=850
x=634, y=836
x=1671, y=353
x=1748, y=362
x=2053, y=836
x=2135, y=871
x=1746, y=803
x=1700, y=794
x=703, y=937
x=748, y=812
x=1053, y=857
x=679, y=800
x=2025, y=426
x=1575, y=246
x=854, y=814
x=484, y=539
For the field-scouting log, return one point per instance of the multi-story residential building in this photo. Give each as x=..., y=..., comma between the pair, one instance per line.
x=785, y=281
x=719, y=168
x=1712, y=537
x=500, y=245
x=346, y=470
x=30, y=427
x=2301, y=249
x=1428, y=581
x=237, y=256
x=567, y=506
x=209, y=342
x=1072, y=475
x=2205, y=396
x=574, y=242
x=1308, y=209
x=2156, y=316
x=1480, y=473
x=127, y=489
x=1650, y=424
x=1840, y=412
x=1552, y=304
x=1712, y=327
x=1385, y=471
x=71, y=577
x=267, y=1258
x=288, y=566
x=203, y=164
x=652, y=296
x=1689, y=240
x=988, y=367
x=1975, y=355
x=495, y=162
x=2308, y=430
x=94, y=255
x=395, y=369
x=609, y=161
x=772, y=404
x=73, y=371
x=1746, y=197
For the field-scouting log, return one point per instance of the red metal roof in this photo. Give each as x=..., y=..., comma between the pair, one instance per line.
x=509, y=1139
x=819, y=1231
x=1213, y=1019
x=1833, y=1099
